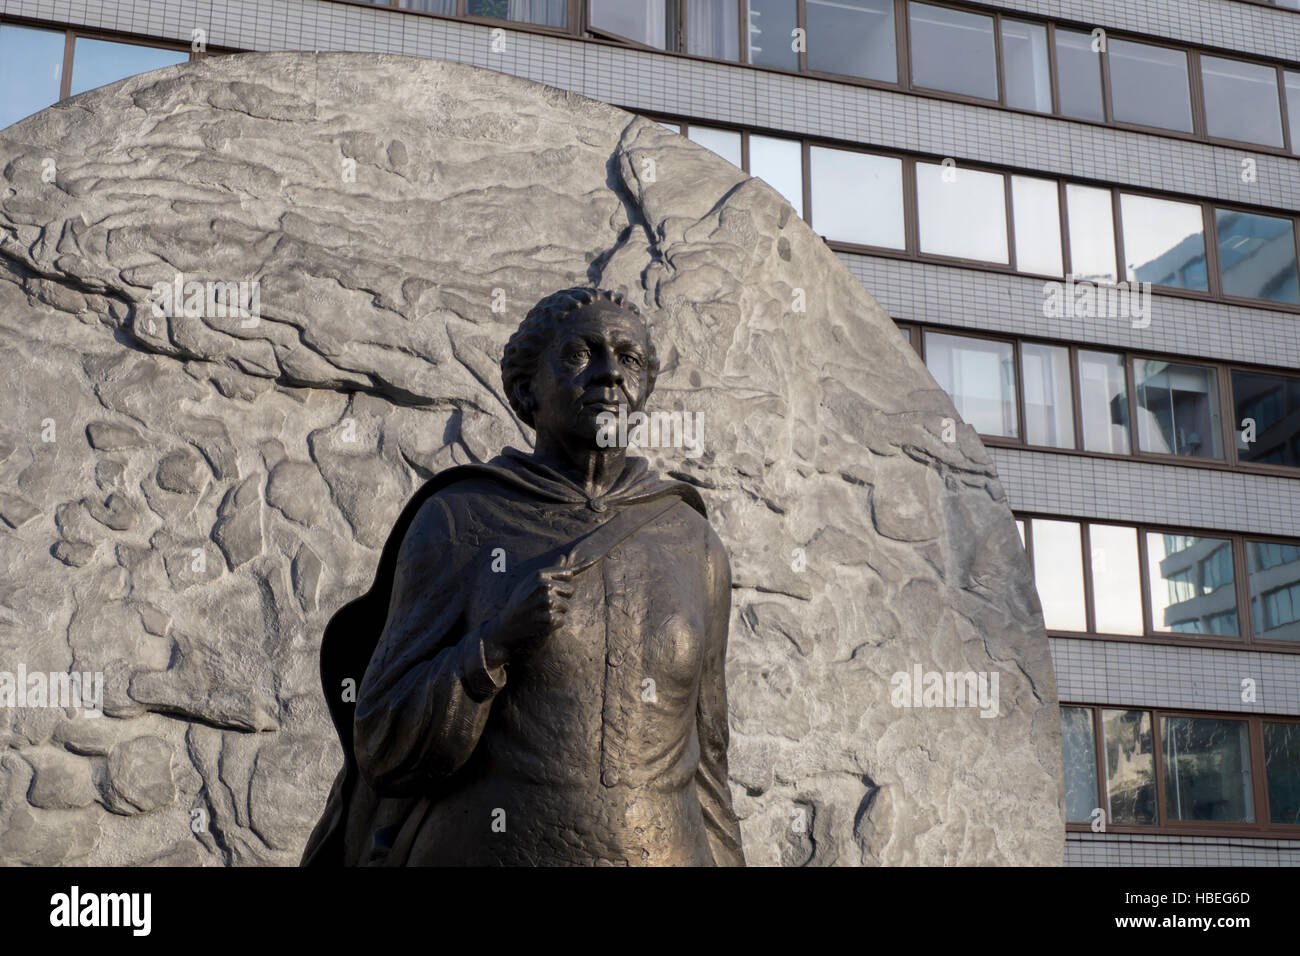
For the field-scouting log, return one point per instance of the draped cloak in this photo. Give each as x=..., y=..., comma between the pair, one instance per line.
x=605, y=744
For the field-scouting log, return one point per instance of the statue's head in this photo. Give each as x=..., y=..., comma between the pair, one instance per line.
x=579, y=352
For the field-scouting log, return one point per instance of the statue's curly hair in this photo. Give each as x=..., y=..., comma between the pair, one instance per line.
x=535, y=332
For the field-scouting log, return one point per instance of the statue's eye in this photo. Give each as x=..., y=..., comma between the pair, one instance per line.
x=631, y=360
x=577, y=356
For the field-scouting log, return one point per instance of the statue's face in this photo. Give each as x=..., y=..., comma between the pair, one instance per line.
x=596, y=362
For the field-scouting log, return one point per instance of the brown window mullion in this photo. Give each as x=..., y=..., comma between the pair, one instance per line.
x=1099, y=754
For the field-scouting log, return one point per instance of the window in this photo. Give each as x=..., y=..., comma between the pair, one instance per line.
x=779, y=163
x=31, y=71
x=1116, y=580
x=1292, y=81
x=97, y=63
x=1164, y=242
x=1079, y=751
x=1257, y=258
x=548, y=13
x=771, y=25
x=1148, y=85
x=961, y=212
x=1241, y=101
x=1103, y=396
x=1177, y=409
x=1025, y=73
x=1036, y=212
x=445, y=7
x=1207, y=769
x=1049, y=409
x=645, y=21
x=1266, y=413
x=1192, y=588
x=1282, y=771
x=724, y=142
x=853, y=37
x=1058, y=573
x=1274, y=585
x=713, y=28
x=1092, y=233
x=978, y=375
x=1078, y=76
x=857, y=197
x=953, y=51
x=1130, y=767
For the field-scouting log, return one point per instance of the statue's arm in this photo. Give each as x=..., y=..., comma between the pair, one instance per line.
x=426, y=695
x=711, y=777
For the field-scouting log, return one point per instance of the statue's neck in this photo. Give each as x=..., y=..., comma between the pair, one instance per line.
x=594, y=470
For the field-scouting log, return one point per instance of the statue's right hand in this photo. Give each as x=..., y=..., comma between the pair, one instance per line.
x=536, y=607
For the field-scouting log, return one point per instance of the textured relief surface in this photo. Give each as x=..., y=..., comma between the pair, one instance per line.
x=184, y=501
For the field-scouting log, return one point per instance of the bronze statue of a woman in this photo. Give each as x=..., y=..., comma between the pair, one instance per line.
x=544, y=644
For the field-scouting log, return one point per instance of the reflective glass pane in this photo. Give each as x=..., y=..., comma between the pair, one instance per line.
x=644, y=21
x=445, y=7
x=1282, y=770
x=1020, y=529
x=1257, y=256
x=1078, y=75
x=1049, y=413
x=1116, y=579
x=549, y=13
x=857, y=197
x=672, y=127
x=1274, y=583
x=1177, y=409
x=1292, y=81
x=1266, y=417
x=713, y=28
x=779, y=163
x=1079, y=751
x=1036, y=210
x=962, y=214
x=953, y=50
x=1164, y=242
x=1058, y=573
x=1092, y=233
x=1148, y=85
x=724, y=142
x=771, y=26
x=1192, y=590
x=1130, y=766
x=853, y=37
x=1241, y=101
x=1026, y=76
x=31, y=71
x=97, y=63
x=1207, y=769
x=979, y=377
x=1103, y=395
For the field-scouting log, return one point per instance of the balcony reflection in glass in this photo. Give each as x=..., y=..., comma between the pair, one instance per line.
x=1103, y=396
x=1266, y=417
x=852, y=37
x=1282, y=770
x=1130, y=766
x=1257, y=257
x=1164, y=242
x=1274, y=585
x=1207, y=769
x=1177, y=409
x=1192, y=584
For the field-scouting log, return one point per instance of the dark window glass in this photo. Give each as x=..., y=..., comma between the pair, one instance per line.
x=1164, y=242
x=1257, y=256
x=1241, y=101
x=97, y=63
x=1282, y=770
x=1274, y=583
x=1148, y=85
x=1079, y=750
x=1078, y=74
x=853, y=37
x=771, y=25
x=953, y=51
x=1130, y=766
x=1207, y=769
x=547, y=13
x=713, y=28
x=645, y=21
x=31, y=71
x=1192, y=589
x=1266, y=410
x=1177, y=409
x=1025, y=69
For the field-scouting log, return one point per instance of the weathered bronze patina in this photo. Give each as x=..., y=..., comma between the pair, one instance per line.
x=544, y=644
